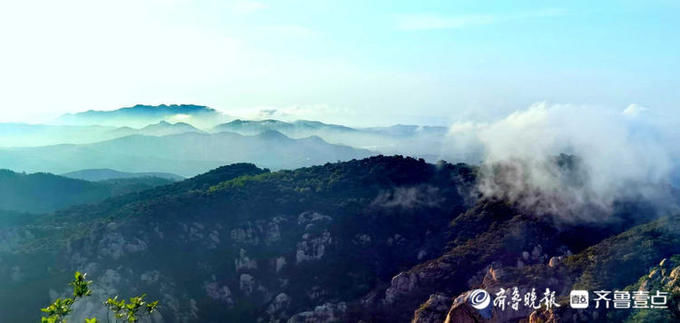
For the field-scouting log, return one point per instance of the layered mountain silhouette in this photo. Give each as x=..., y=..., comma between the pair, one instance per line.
x=426, y=142
x=185, y=154
x=96, y=126
x=26, y=135
x=164, y=128
x=96, y=175
x=300, y=128
x=382, y=239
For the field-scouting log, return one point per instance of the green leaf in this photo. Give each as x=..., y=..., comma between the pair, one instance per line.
x=80, y=285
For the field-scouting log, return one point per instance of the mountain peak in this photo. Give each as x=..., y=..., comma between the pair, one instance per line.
x=141, y=115
x=171, y=108
x=145, y=109
x=166, y=124
x=272, y=134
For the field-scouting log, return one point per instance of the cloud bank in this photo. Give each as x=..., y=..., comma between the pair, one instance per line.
x=618, y=154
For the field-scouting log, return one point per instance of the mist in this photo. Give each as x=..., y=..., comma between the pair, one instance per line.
x=573, y=161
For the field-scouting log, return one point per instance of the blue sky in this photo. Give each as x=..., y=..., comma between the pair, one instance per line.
x=355, y=62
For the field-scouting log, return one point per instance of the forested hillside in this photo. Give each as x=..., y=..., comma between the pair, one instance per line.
x=43, y=192
x=380, y=239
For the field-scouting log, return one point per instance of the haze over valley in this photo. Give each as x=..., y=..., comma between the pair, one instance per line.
x=110, y=140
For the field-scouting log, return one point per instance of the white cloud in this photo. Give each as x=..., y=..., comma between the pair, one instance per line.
x=634, y=110
x=620, y=156
x=318, y=112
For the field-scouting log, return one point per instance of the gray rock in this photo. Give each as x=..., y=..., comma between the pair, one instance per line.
x=243, y=262
x=247, y=284
x=312, y=247
x=324, y=313
x=434, y=310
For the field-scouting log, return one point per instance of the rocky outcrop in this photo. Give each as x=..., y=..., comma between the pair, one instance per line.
x=463, y=311
x=312, y=247
x=247, y=284
x=245, y=236
x=277, y=309
x=434, y=310
x=665, y=276
x=328, y=312
x=243, y=262
x=220, y=293
x=401, y=284
x=543, y=316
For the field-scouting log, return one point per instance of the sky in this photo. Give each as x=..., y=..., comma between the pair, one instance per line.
x=352, y=62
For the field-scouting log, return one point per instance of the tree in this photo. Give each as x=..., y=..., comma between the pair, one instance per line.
x=128, y=311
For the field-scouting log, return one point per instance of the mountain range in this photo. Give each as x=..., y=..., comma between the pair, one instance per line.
x=105, y=139
x=382, y=239
x=185, y=154
x=420, y=141
x=97, y=175
x=27, y=135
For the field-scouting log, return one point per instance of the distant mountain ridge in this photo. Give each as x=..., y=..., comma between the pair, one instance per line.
x=418, y=141
x=92, y=126
x=146, y=110
x=186, y=154
x=29, y=135
x=296, y=128
x=142, y=115
x=164, y=128
x=95, y=175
